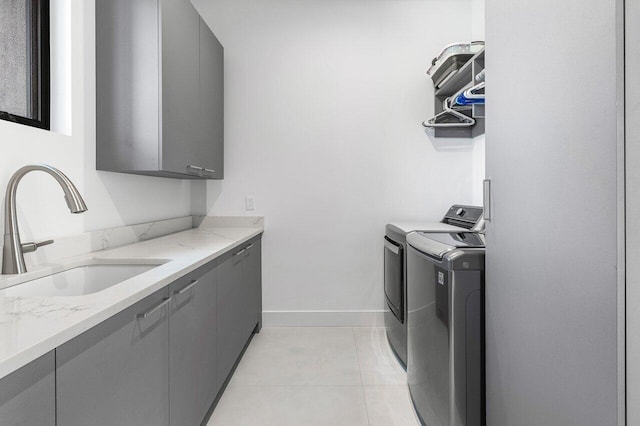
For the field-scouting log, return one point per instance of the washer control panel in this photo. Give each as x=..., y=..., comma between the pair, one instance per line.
x=464, y=216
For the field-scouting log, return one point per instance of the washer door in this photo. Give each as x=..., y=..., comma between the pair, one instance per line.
x=394, y=277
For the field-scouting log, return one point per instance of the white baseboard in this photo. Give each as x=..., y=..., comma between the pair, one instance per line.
x=323, y=318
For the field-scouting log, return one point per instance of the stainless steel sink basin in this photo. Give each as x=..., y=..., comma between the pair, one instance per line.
x=81, y=280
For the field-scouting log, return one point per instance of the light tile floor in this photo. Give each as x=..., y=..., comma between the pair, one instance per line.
x=315, y=377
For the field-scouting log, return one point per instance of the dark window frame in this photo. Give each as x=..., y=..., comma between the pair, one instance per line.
x=39, y=73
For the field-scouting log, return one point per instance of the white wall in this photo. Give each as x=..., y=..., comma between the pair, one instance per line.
x=324, y=101
x=477, y=19
x=112, y=199
x=478, y=169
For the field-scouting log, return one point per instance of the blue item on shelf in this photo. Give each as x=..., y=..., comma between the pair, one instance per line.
x=461, y=99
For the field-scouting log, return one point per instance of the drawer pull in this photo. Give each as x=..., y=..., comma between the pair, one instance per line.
x=249, y=246
x=186, y=288
x=195, y=170
x=154, y=309
x=240, y=252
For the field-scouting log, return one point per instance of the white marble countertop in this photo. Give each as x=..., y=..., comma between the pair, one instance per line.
x=32, y=326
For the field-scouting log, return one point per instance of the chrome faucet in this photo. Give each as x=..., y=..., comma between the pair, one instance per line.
x=13, y=250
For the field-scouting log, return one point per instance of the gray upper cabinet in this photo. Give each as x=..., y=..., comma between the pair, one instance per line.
x=180, y=41
x=28, y=396
x=160, y=90
x=117, y=373
x=211, y=100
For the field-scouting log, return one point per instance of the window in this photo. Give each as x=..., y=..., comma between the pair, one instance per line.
x=24, y=62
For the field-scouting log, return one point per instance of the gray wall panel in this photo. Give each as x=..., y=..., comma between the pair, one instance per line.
x=633, y=210
x=551, y=292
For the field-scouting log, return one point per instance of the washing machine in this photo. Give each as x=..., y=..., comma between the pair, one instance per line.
x=458, y=218
x=445, y=369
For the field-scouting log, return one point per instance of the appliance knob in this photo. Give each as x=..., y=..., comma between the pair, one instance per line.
x=460, y=212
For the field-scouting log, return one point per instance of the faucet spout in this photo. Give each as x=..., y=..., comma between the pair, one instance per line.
x=12, y=256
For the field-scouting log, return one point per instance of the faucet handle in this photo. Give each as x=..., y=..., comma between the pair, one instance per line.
x=31, y=247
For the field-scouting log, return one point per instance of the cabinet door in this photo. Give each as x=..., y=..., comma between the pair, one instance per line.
x=127, y=82
x=117, y=373
x=180, y=85
x=252, y=285
x=28, y=396
x=211, y=144
x=231, y=324
x=192, y=336
x=552, y=251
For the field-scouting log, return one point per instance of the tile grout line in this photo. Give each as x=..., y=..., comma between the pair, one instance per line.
x=364, y=397
x=355, y=346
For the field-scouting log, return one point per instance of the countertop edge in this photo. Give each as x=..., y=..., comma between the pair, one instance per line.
x=22, y=358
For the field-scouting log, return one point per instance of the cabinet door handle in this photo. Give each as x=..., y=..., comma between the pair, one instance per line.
x=486, y=199
x=249, y=246
x=154, y=309
x=240, y=252
x=195, y=170
x=200, y=171
x=186, y=288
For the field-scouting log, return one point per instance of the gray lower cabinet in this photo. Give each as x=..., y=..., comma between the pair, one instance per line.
x=239, y=303
x=252, y=286
x=27, y=396
x=193, y=344
x=230, y=313
x=117, y=373
x=160, y=362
